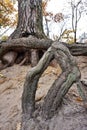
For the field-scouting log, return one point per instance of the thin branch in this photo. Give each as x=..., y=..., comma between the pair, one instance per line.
x=4, y=32
x=80, y=14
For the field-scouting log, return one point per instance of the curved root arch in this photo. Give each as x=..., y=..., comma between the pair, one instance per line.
x=70, y=74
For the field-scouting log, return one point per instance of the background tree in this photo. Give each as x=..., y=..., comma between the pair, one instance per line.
x=49, y=17
x=77, y=10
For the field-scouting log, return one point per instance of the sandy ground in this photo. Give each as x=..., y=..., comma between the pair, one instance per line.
x=11, y=88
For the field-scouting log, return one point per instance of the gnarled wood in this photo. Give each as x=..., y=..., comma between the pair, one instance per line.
x=70, y=74
x=24, y=44
x=30, y=86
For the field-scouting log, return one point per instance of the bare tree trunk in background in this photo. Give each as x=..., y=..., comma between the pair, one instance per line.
x=76, y=15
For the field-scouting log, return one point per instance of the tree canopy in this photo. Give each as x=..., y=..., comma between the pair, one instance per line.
x=8, y=13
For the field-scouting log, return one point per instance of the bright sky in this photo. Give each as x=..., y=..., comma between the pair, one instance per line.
x=56, y=6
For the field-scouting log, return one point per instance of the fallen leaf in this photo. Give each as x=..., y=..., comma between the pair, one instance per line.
x=79, y=99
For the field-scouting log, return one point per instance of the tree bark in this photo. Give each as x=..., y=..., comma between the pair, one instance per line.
x=24, y=44
x=30, y=19
x=34, y=57
x=70, y=74
x=30, y=86
x=30, y=22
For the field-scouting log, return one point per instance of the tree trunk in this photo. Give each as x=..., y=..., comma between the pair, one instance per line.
x=30, y=19
x=30, y=22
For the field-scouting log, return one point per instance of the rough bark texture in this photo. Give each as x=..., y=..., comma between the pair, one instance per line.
x=30, y=86
x=29, y=19
x=34, y=57
x=70, y=74
x=30, y=22
x=24, y=44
